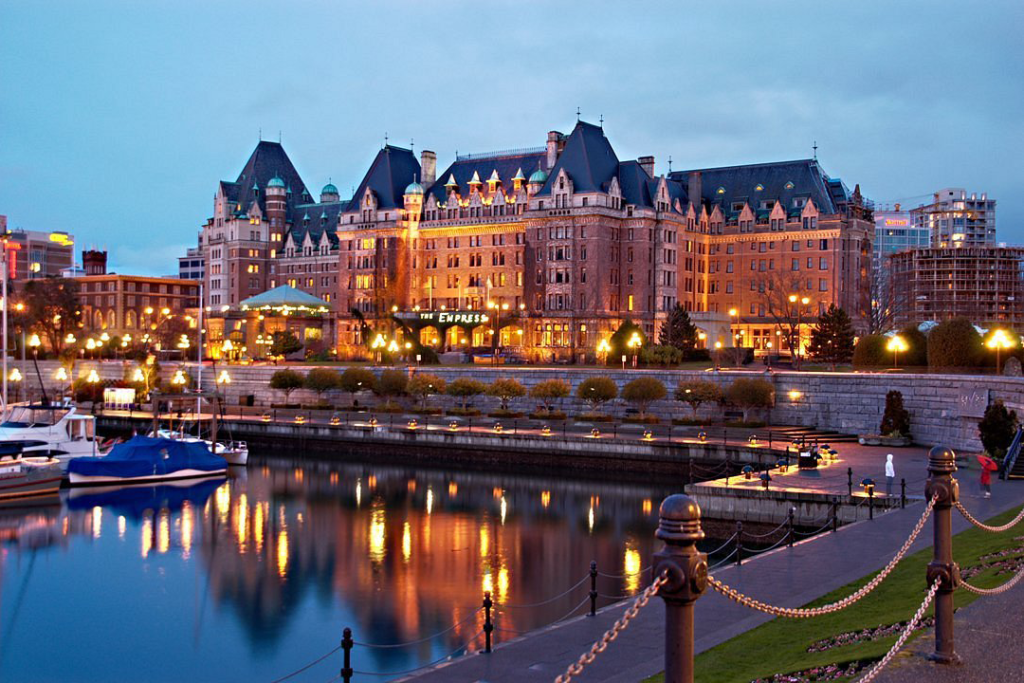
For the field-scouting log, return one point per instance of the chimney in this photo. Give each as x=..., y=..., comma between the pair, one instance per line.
x=693, y=189
x=94, y=262
x=897, y=207
x=428, y=167
x=647, y=163
x=556, y=141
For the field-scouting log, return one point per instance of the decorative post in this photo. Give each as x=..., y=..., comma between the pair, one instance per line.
x=789, y=527
x=871, y=502
x=835, y=515
x=488, y=626
x=593, y=588
x=903, y=493
x=346, y=646
x=739, y=542
x=849, y=480
x=946, y=490
x=687, y=570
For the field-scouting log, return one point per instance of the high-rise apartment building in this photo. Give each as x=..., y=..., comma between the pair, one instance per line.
x=956, y=219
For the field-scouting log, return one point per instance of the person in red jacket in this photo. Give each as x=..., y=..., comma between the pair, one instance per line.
x=986, y=481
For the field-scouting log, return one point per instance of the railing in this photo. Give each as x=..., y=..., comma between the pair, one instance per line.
x=1012, y=454
x=514, y=151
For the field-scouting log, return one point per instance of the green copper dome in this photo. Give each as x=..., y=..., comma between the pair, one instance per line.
x=414, y=188
x=539, y=177
x=329, y=188
x=276, y=182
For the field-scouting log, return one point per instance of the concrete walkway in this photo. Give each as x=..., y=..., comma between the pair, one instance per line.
x=786, y=576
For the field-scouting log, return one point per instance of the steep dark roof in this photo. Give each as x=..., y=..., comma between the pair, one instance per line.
x=506, y=166
x=391, y=171
x=266, y=161
x=588, y=158
x=740, y=182
x=322, y=217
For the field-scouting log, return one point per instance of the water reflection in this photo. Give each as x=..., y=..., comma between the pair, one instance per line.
x=254, y=576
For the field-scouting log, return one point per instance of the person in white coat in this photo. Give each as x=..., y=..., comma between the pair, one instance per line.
x=890, y=474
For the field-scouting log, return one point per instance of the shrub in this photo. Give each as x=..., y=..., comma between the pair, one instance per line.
x=896, y=419
x=678, y=332
x=750, y=393
x=423, y=386
x=465, y=389
x=832, y=337
x=549, y=391
x=597, y=391
x=697, y=393
x=642, y=392
x=506, y=389
x=619, y=341
x=662, y=355
x=392, y=384
x=354, y=380
x=870, y=352
x=321, y=380
x=284, y=343
x=954, y=344
x=997, y=429
x=287, y=380
x=917, y=347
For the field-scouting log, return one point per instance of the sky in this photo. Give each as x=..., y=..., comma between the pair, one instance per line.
x=117, y=119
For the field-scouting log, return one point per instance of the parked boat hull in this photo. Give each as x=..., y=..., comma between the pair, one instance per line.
x=76, y=479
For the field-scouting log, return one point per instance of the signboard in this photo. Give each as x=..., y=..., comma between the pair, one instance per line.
x=896, y=222
x=453, y=317
x=118, y=398
x=973, y=402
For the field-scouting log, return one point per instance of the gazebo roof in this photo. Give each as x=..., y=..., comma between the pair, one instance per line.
x=285, y=298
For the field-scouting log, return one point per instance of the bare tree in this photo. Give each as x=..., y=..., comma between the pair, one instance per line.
x=882, y=318
x=789, y=308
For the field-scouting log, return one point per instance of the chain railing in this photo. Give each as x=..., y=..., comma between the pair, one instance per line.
x=804, y=613
x=993, y=591
x=601, y=644
x=911, y=625
x=981, y=525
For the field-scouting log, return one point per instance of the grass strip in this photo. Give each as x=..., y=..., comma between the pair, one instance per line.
x=780, y=645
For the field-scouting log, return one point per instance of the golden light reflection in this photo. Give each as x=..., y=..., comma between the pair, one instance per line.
x=485, y=540
x=377, y=532
x=359, y=492
x=223, y=501
x=647, y=506
x=488, y=583
x=372, y=481
x=122, y=526
x=631, y=568
x=406, y=542
x=97, y=521
x=282, y=553
x=411, y=486
x=257, y=527
x=147, y=536
x=334, y=478
x=163, y=532
x=242, y=522
x=299, y=475
x=498, y=492
x=453, y=489
x=187, y=518
x=504, y=510
x=545, y=498
x=503, y=584
x=590, y=519
x=430, y=500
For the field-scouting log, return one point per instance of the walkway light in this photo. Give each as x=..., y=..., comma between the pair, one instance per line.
x=702, y=436
x=335, y=420
x=223, y=377
x=782, y=465
x=648, y=435
x=545, y=431
x=896, y=344
x=748, y=472
x=70, y=339
x=61, y=375
x=14, y=375
x=413, y=424
x=869, y=485
x=137, y=376
x=595, y=433
x=179, y=378
x=265, y=417
x=34, y=341
x=498, y=428
x=453, y=425
x=93, y=377
x=752, y=440
x=765, y=479
x=999, y=341
x=300, y=419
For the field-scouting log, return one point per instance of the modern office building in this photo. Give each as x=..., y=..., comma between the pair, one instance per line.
x=34, y=254
x=956, y=219
x=191, y=265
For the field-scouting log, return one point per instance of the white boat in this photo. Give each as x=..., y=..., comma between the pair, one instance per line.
x=22, y=477
x=50, y=431
x=235, y=452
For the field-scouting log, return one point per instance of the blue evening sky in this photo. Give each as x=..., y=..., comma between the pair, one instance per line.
x=117, y=119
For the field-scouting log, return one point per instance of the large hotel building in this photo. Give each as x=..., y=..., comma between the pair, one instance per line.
x=551, y=248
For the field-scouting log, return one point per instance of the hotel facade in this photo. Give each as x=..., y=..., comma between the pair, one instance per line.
x=545, y=250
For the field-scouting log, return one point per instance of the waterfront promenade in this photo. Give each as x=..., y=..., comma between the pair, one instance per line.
x=786, y=576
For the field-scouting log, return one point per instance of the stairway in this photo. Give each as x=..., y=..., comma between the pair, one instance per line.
x=1013, y=464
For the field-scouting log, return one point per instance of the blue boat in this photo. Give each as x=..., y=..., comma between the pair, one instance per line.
x=143, y=459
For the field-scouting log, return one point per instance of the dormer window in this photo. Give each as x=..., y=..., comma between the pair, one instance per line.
x=759, y=188
x=790, y=185
x=720, y=190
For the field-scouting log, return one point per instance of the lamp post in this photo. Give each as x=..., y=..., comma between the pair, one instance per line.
x=718, y=356
x=35, y=343
x=603, y=349
x=896, y=344
x=768, y=345
x=795, y=347
x=227, y=348
x=999, y=341
x=378, y=346
x=634, y=345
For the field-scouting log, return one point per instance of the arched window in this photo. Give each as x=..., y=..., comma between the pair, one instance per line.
x=97, y=319
x=130, y=320
x=111, y=319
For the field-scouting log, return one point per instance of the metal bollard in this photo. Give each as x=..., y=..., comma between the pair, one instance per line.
x=593, y=588
x=849, y=480
x=871, y=502
x=739, y=542
x=346, y=646
x=789, y=527
x=942, y=486
x=903, y=493
x=835, y=516
x=488, y=626
x=687, y=569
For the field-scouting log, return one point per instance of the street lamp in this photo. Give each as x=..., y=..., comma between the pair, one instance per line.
x=227, y=348
x=999, y=341
x=603, y=349
x=896, y=344
x=378, y=344
x=769, y=347
x=634, y=344
x=795, y=348
x=223, y=378
x=718, y=355
x=35, y=343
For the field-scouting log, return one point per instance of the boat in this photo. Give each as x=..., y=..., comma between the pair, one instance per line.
x=235, y=452
x=23, y=477
x=50, y=431
x=144, y=459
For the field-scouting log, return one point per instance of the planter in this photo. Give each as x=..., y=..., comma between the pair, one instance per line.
x=879, y=440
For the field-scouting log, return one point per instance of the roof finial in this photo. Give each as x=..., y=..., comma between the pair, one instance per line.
x=412, y=145
x=577, y=114
x=815, y=150
x=669, y=163
x=261, y=134
x=279, y=136
x=602, y=121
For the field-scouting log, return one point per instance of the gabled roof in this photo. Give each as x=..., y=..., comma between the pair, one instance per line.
x=588, y=158
x=322, y=217
x=506, y=166
x=285, y=296
x=391, y=171
x=780, y=181
x=266, y=161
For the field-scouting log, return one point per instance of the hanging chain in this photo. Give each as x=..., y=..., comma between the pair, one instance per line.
x=599, y=646
x=803, y=613
x=981, y=525
x=993, y=591
x=908, y=629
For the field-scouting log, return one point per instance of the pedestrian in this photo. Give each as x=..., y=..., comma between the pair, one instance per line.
x=890, y=474
x=986, y=481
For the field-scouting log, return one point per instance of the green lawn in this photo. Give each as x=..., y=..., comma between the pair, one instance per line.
x=780, y=646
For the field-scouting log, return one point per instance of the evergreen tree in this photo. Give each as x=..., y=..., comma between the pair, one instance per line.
x=678, y=330
x=832, y=337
